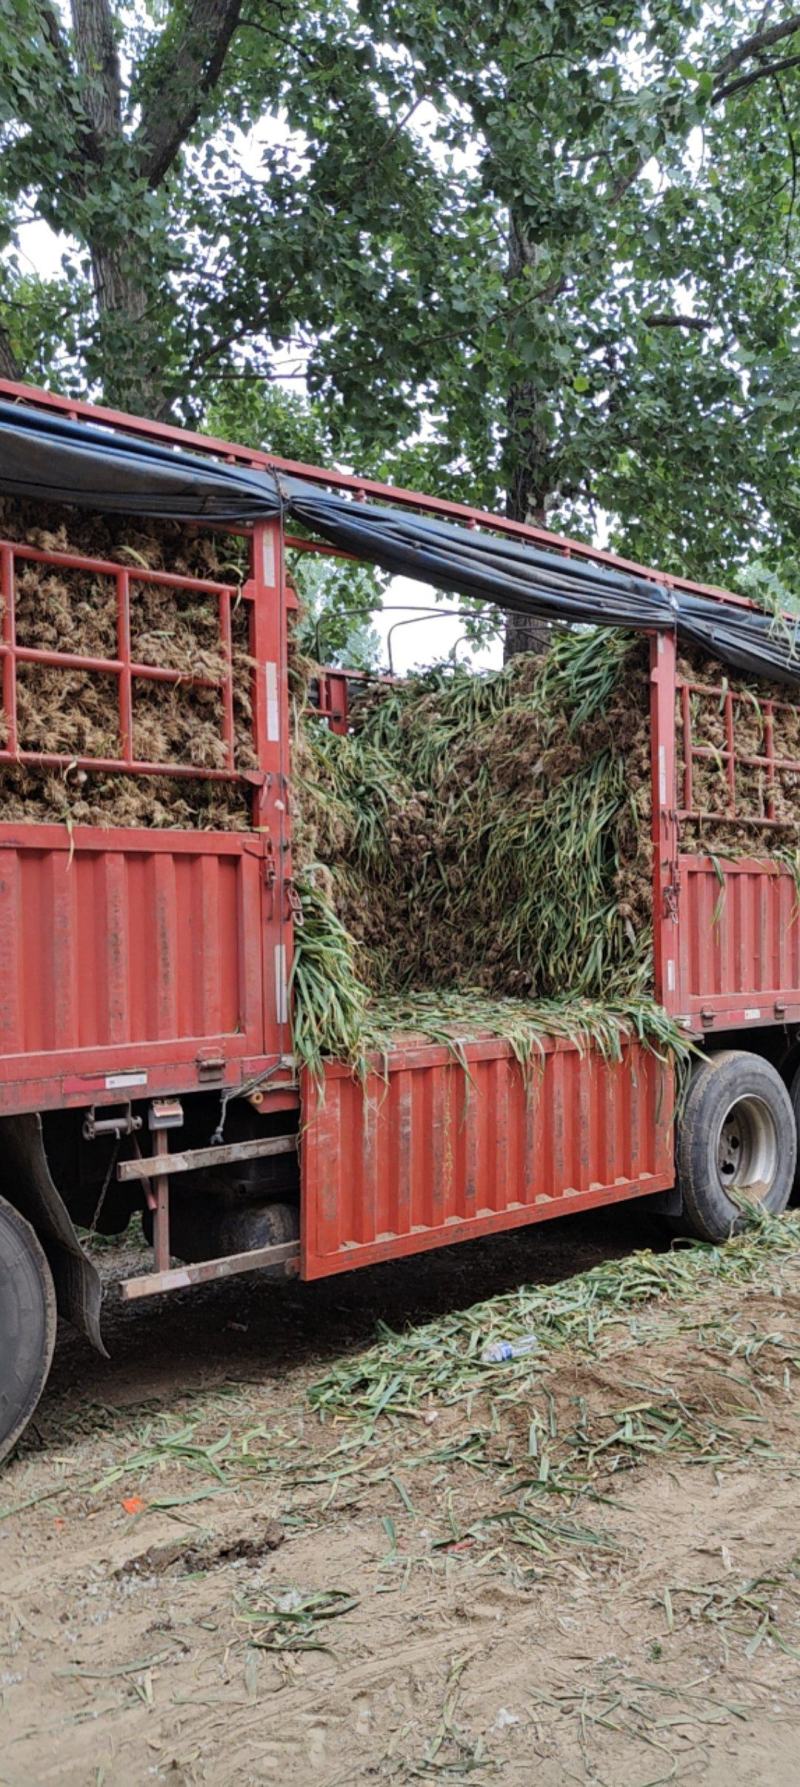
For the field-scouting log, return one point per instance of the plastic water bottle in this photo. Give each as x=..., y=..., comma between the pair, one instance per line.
x=502, y=1350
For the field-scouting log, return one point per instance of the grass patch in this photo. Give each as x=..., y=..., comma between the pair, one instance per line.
x=440, y=1362
x=292, y=1619
x=478, y=845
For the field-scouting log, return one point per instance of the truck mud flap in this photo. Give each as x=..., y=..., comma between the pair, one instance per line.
x=26, y=1182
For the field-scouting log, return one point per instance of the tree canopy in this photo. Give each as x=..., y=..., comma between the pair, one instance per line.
x=521, y=251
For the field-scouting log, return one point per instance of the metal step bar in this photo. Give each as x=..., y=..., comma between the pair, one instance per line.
x=155, y=1170
x=180, y=1278
x=191, y=1159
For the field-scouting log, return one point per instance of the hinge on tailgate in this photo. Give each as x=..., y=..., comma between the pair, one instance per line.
x=269, y=872
x=671, y=901
x=294, y=905
x=209, y=1067
x=672, y=890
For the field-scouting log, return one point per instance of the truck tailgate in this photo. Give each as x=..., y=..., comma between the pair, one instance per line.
x=122, y=949
x=424, y=1154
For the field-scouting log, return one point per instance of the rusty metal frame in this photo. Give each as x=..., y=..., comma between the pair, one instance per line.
x=422, y=1153
x=157, y=1197
x=738, y=939
x=270, y=651
x=666, y=879
x=731, y=755
x=126, y=670
x=332, y=703
x=69, y=1073
x=676, y=926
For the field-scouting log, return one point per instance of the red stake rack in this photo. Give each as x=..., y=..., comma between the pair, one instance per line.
x=122, y=667
x=139, y=961
x=732, y=756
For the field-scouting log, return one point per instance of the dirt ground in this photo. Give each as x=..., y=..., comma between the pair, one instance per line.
x=588, y=1573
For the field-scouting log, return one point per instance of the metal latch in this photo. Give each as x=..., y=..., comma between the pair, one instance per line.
x=209, y=1067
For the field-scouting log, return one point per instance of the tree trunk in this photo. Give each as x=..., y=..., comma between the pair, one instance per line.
x=526, y=500
x=130, y=352
x=130, y=345
x=8, y=364
x=527, y=458
x=98, y=63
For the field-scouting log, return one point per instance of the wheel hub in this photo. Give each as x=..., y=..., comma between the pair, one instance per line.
x=747, y=1148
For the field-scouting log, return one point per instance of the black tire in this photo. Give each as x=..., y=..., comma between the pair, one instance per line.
x=27, y=1324
x=736, y=1131
x=794, y=1094
x=208, y=1227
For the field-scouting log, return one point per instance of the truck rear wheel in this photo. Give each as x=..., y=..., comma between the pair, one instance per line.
x=27, y=1324
x=736, y=1134
x=794, y=1094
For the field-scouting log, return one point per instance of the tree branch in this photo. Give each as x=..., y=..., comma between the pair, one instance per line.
x=760, y=40
x=77, y=126
x=761, y=73
x=186, y=68
x=311, y=62
x=793, y=161
x=664, y=320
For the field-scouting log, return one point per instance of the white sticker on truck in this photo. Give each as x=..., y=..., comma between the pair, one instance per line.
x=117, y=1082
x=268, y=558
x=281, y=988
x=273, y=705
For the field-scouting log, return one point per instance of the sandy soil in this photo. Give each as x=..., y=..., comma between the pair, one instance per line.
x=203, y=1583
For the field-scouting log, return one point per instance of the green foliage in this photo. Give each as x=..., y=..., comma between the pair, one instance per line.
x=45, y=321
x=337, y=598
x=536, y=253
x=770, y=591
x=337, y=601
x=328, y=999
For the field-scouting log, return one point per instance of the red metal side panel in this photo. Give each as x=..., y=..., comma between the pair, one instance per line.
x=426, y=1156
x=123, y=948
x=739, y=942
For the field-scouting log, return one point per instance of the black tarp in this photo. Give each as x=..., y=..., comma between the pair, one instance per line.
x=526, y=578
x=514, y=573
x=49, y=456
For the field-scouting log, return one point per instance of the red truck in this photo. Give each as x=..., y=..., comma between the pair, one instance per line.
x=145, y=1026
